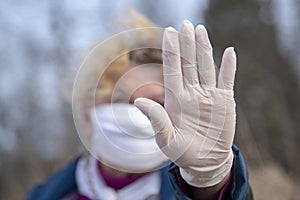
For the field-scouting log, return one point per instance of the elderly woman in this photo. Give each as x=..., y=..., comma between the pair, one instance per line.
x=154, y=131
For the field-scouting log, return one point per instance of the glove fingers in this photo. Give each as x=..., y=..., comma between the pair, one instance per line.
x=171, y=61
x=158, y=116
x=206, y=68
x=227, y=70
x=188, y=53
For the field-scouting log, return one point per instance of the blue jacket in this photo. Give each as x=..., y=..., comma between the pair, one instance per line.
x=63, y=182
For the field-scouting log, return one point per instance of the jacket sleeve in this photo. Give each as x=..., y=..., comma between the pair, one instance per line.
x=237, y=189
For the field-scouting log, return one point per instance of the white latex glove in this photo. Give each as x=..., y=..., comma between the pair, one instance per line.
x=196, y=128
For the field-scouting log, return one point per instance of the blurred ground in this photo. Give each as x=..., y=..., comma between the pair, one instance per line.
x=43, y=42
x=271, y=182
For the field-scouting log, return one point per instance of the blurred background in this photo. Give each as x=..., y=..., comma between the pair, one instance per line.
x=43, y=42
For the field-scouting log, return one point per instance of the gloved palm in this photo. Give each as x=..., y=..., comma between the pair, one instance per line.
x=196, y=128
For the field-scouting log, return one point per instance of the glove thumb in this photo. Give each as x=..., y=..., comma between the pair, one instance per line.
x=157, y=115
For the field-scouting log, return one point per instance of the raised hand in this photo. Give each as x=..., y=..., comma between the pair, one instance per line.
x=196, y=127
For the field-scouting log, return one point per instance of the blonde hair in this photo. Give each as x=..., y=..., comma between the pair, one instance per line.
x=113, y=57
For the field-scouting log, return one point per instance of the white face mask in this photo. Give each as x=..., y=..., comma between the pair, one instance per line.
x=123, y=139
